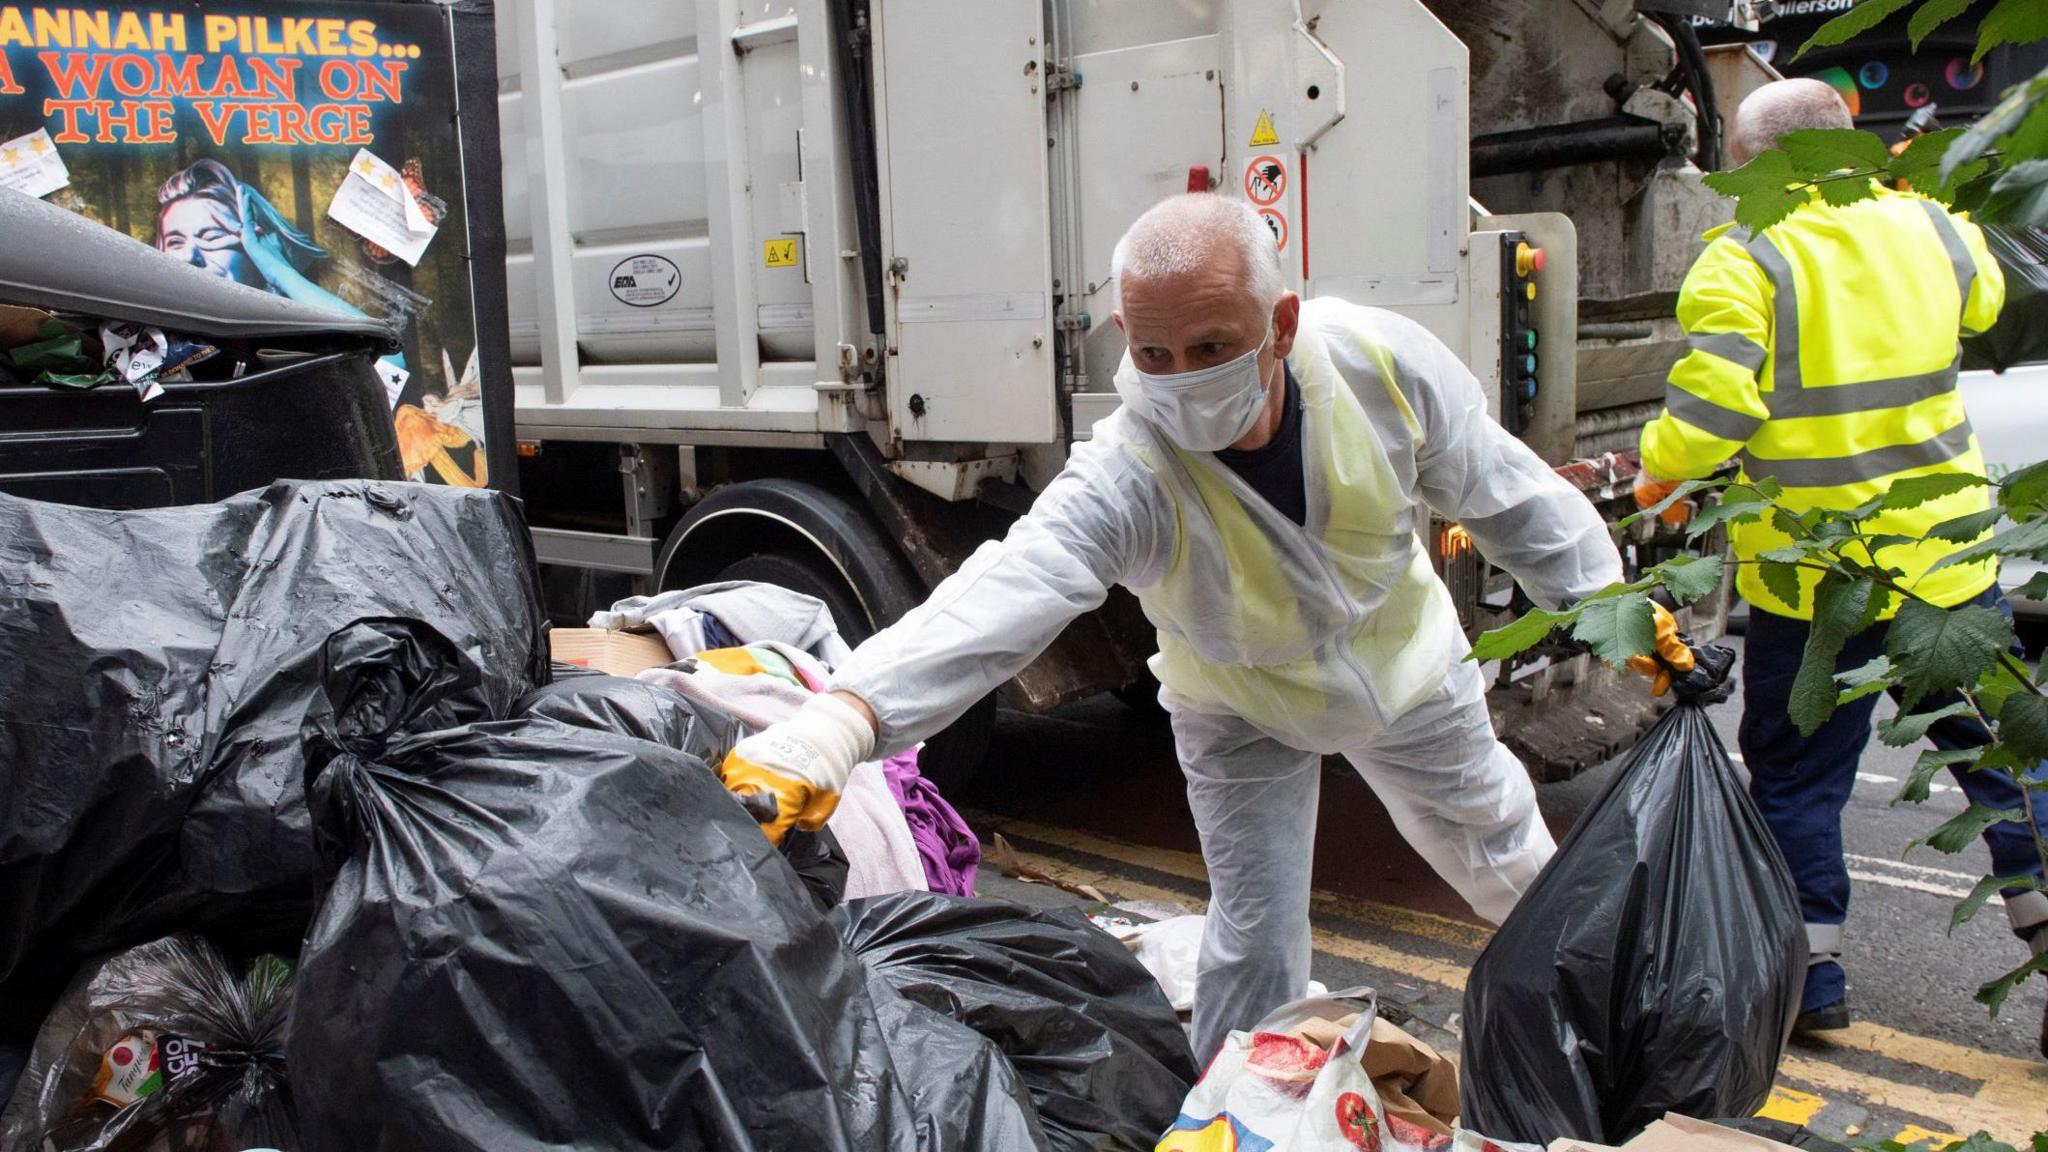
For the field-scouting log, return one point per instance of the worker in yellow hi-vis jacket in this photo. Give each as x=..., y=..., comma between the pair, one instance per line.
x=1823, y=352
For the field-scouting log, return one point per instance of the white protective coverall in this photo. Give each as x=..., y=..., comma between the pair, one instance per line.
x=1279, y=642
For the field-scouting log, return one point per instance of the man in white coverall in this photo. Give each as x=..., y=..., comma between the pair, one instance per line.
x=1260, y=491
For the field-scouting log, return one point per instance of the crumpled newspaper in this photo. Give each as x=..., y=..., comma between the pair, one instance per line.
x=144, y=356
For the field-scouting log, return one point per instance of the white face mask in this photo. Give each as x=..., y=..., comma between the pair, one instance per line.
x=1210, y=408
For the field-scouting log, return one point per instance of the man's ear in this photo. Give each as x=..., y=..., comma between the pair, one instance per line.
x=1286, y=322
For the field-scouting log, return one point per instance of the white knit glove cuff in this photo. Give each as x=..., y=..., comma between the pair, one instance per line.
x=819, y=745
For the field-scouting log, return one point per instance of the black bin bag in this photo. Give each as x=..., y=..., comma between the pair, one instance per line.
x=1064, y=1012
x=538, y=934
x=155, y=667
x=1654, y=966
x=2020, y=334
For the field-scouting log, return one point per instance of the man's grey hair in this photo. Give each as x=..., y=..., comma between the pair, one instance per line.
x=1784, y=106
x=1181, y=233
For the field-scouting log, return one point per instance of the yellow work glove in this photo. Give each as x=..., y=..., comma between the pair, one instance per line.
x=1672, y=653
x=800, y=764
x=1650, y=491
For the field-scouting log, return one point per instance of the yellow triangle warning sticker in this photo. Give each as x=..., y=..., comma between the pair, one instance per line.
x=1263, y=134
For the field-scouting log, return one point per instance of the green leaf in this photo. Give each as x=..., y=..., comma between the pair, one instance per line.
x=1914, y=491
x=2023, y=726
x=1922, y=157
x=1856, y=21
x=1617, y=627
x=1868, y=680
x=1917, y=786
x=1517, y=636
x=1962, y=830
x=1679, y=493
x=1690, y=577
x=2011, y=22
x=1986, y=888
x=1842, y=191
x=1993, y=994
x=1838, y=607
x=1981, y=138
x=1967, y=529
x=1782, y=580
x=1909, y=728
x=2020, y=540
x=2026, y=488
x=1819, y=151
x=1932, y=15
x=1732, y=511
x=1996, y=686
x=1769, y=170
x=1943, y=649
x=1766, y=208
x=2041, y=1142
x=2019, y=195
x=2036, y=588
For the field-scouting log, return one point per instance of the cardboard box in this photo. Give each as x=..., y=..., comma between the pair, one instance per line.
x=619, y=653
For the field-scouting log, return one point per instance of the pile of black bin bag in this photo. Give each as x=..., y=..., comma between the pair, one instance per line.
x=318, y=720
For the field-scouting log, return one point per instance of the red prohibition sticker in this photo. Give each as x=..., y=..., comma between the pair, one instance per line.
x=1278, y=224
x=1265, y=180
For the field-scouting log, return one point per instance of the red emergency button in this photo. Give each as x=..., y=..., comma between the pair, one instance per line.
x=1528, y=259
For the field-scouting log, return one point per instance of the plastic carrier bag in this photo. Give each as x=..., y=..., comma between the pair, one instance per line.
x=2021, y=331
x=1654, y=966
x=158, y=1049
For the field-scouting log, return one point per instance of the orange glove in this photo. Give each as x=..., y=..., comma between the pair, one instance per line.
x=1650, y=491
x=801, y=764
x=1671, y=655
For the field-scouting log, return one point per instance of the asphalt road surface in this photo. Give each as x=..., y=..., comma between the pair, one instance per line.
x=1092, y=796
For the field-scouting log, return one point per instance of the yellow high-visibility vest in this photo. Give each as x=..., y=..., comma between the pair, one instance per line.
x=1823, y=352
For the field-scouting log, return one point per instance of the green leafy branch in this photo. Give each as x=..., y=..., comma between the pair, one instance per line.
x=1997, y=169
x=1943, y=663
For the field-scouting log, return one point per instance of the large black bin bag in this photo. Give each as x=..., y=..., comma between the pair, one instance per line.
x=1654, y=966
x=1079, y=1024
x=155, y=668
x=543, y=935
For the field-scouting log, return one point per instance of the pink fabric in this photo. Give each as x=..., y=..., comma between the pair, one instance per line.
x=945, y=843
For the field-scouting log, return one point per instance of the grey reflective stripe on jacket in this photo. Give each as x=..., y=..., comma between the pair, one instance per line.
x=1958, y=254
x=1829, y=471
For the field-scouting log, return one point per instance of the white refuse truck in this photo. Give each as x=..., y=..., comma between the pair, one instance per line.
x=817, y=291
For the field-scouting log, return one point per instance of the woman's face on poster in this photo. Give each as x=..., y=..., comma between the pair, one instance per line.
x=206, y=234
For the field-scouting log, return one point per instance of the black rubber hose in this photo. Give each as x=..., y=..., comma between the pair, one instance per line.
x=1692, y=59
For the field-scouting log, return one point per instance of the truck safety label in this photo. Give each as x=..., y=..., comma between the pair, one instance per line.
x=646, y=281
x=1263, y=135
x=1278, y=224
x=779, y=253
x=1265, y=180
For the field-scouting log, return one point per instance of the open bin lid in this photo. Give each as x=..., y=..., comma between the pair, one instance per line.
x=56, y=259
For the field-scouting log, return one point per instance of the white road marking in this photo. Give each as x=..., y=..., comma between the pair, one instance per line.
x=1920, y=869
x=1910, y=885
x=1876, y=778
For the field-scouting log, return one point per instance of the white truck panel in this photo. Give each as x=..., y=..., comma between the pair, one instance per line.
x=967, y=224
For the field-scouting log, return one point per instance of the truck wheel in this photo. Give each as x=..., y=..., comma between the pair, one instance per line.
x=810, y=540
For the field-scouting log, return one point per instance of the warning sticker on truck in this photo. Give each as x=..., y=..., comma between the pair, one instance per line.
x=645, y=281
x=1263, y=135
x=779, y=253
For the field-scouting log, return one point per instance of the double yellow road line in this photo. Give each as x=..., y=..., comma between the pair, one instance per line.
x=2011, y=1101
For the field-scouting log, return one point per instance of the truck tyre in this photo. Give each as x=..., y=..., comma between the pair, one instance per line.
x=814, y=541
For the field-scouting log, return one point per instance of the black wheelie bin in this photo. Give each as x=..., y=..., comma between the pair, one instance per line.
x=292, y=391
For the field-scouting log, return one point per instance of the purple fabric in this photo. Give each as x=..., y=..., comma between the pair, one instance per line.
x=944, y=841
